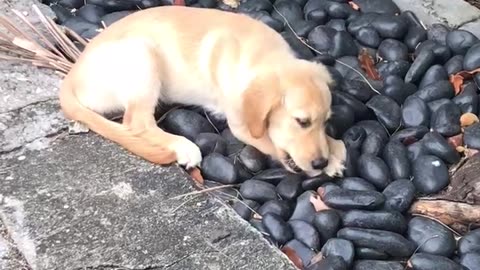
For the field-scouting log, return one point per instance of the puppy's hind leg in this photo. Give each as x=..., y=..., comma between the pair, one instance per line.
x=125, y=75
x=141, y=122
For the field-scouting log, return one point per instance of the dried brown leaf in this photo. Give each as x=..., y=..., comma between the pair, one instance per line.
x=196, y=175
x=317, y=258
x=353, y=5
x=458, y=78
x=457, y=83
x=368, y=65
x=456, y=141
x=292, y=255
x=471, y=152
x=318, y=203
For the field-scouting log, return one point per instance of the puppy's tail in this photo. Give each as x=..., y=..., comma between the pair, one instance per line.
x=121, y=134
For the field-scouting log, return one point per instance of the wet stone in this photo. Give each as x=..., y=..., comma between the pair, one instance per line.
x=91, y=13
x=291, y=10
x=378, y=6
x=354, y=199
x=219, y=168
x=431, y=237
x=415, y=112
x=301, y=250
x=110, y=18
x=257, y=190
x=281, y=208
x=304, y=209
x=305, y=233
x=374, y=170
x=211, y=143
x=438, y=32
x=337, y=24
x=377, y=264
x=441, y=52
x=430, y=174
x=355, y=183
x=472, y=136
x=393, y=50
x=327, y=222
x=438, y=146
x=468, y=100
x=446, y=120
x=258, y=5
x=434, y=73
x=252, y=159
x=429, y=261
x=186, y=123
x=399, y=195
x=387, y=111
x=368, y=36
x=454, y=64
x=278, y=229
x=245, y=208
x=459, y=41
x=273, y=176
x=470, y=242
x=397, y=89
x=302, y=28
x=339, y=247
x=290, y=187
x=472, y=58
x=363, y=253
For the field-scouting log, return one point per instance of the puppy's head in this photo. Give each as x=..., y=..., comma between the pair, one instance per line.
x=291, y=105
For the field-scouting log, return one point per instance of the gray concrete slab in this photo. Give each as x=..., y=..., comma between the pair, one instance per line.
x=473, y=27
x=30, y=125
x=20, y=84
x=455, y=13
x=29, y=110
x=10, y=257
x=84, y=203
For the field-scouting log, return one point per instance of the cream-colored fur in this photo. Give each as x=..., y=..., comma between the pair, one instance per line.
x=228, y=63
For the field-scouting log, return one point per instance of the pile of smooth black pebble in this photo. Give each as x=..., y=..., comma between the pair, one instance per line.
x=398, y=140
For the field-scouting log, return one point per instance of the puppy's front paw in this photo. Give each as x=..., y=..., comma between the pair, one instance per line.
x=336, y=160
x=188, y=153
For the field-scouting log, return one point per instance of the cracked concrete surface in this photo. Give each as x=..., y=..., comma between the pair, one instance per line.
x=28, y=125
x=455, y=13
x=28, y=107
x=84, y=203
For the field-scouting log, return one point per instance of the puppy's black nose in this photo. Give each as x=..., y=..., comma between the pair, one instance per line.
x=319, y=163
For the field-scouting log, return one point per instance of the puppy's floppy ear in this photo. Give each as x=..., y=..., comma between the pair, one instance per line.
x=323, y=74
x=257, y=102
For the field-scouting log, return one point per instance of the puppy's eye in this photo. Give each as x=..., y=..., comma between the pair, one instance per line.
x=303, y=122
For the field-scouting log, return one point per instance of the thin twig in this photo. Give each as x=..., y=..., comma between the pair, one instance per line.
x=182, y=204
x=201, y=191
x=419, y=246
x=210, y=121
x=49, y=44
x=24, y=47
x=440, y=222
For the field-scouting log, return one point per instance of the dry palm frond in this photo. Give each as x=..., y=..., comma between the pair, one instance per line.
x=59, y=54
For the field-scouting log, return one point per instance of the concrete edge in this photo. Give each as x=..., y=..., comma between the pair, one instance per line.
x=456, y=14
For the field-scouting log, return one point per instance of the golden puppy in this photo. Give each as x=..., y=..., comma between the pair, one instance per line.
x=227, y=63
